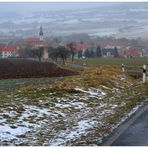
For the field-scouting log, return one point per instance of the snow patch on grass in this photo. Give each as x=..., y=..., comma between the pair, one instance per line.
x=6, y=132
x=76, y=105
x=23, y=123
x=93, y=92
x=73, y=134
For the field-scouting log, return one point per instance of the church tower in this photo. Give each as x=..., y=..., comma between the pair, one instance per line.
x=41, y=33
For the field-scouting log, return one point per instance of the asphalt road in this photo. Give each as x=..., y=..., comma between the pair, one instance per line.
x=136, y=134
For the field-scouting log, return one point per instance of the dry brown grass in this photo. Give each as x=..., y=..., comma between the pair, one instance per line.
x=110, y=76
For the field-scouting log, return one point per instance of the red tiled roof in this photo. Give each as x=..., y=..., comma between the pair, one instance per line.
x=8, y=48
x=104, y=43
x=79, y=45
x=33, y=41
x=146, y=47
x=132, y=51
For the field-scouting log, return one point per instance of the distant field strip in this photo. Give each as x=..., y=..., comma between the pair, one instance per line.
x=113, y=61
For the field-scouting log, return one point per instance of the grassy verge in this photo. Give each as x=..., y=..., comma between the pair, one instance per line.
x=68, y=106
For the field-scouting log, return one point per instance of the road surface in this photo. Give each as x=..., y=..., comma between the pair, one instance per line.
x=134, y=132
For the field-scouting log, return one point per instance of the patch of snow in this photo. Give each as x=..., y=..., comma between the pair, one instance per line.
x=21, y=126
x=82, y=126
x=92, y=92
x=76, y=132
x=8, y=133
x=60, y=113
x=62, y=105
x=2, y=119
x=34, y=110
x=12, y=131
x=114, y=106
x=122, y=78
x=76, y=105
x=11, y=114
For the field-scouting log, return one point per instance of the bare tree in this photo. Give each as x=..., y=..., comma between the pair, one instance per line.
x=79, y=54
x=71, y=46
x=63, y=53
x=53, y=53
x=25, y=52
x=38, y=52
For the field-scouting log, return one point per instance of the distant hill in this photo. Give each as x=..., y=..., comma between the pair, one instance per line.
x=107, y=19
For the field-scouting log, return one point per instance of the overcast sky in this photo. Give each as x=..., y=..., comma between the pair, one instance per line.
x=36, y=6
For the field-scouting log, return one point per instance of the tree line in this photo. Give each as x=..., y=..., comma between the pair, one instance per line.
x=54, y=53
x=62, y=52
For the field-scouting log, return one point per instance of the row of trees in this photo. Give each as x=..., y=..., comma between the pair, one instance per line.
x=53, y=53
x=59, y=52
x=62, y=52
x=93, y=53
x=27, y=52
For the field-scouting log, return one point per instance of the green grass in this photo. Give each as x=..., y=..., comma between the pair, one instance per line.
x=113, y=61
x=12, y=84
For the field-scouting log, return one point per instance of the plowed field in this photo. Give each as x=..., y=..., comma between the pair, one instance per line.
x=19, y=68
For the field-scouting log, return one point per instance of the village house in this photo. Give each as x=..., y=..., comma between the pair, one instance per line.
x=145, y=51
x=131, y=52
x=31, y=42
x=35, y=42
x=9, y=51
x=104, y=43
x=126, y=48
x=79, y=46
x=109, y=52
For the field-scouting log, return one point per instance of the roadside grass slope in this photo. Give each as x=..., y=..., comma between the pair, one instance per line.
x=77, y=110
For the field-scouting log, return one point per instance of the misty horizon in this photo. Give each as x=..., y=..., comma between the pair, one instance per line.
x=47, y=6
x=118, y=19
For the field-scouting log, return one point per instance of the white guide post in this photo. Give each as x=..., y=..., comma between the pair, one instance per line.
x=144, y=73
x=123, y=69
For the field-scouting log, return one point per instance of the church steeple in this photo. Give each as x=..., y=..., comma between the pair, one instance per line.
x=41, y=33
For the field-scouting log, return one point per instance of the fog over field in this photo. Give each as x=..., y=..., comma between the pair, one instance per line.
x=97, y=19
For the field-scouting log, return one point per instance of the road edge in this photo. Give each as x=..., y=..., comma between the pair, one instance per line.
x=121, y=128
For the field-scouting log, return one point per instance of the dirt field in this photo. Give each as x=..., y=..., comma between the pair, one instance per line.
x=18, y=68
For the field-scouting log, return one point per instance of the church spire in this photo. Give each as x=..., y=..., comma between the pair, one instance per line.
x=41, y=33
